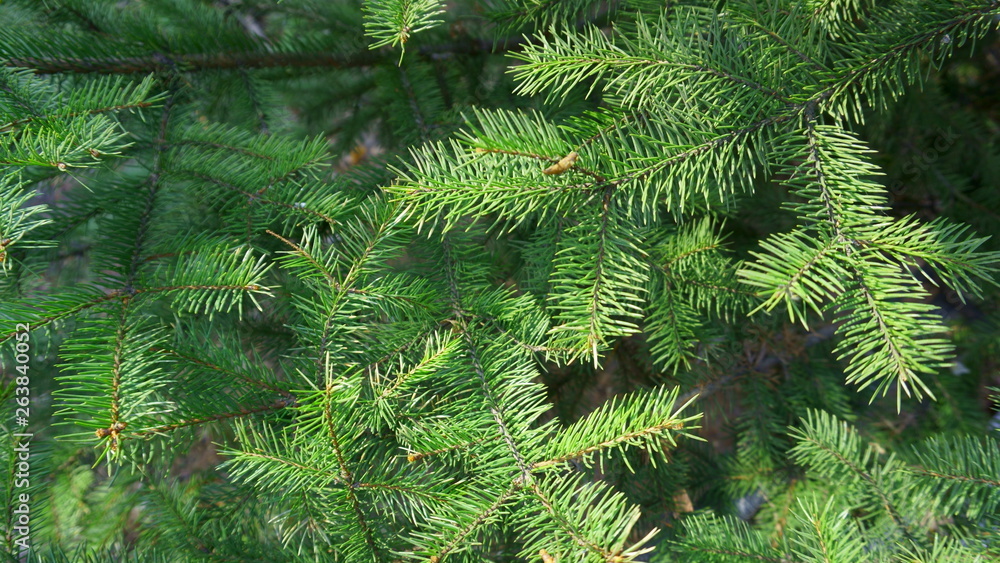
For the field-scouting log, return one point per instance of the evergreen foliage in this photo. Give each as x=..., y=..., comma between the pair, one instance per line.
x=393, y=280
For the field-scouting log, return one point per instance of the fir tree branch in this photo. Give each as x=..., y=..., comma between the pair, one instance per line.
x=609, y=444
x=679, y=338
x=251, y=380
x=216, y=145
x=370, y=368
x=43, y=321
x=570, y=528
x=887, y=503
x=595, y=302
x=477, y=521
x=403, y=377
x=720, y=141
x=642, y=418
x=277, y=180
x=735, y=80
x=619, y=122
x=417, y=456
x=116, y=373
x=251, y=287
x=915, y=43
x=411, y=99
x=550, y=159
x=795, y=283
x=345, y=286
x=832, y=213
x=955, y=477
x=191, y=534
x=159, y=62
x=330, y=278
x=154, y=187
x=650, y=56
x=11, y=125
x=346, y=475
x=900, y=362
x=197, y=62
x=492, y=322
x=798, y=53
x=128, y=291
x=691, y=252
x=334, y=476
x=258, y=108
x=380, y=234
x=28, y=106
x=122, y=294
x=255, y=197
x=496, y=409
x=241, y=413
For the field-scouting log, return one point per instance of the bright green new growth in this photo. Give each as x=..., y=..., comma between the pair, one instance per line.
x=392, y=22
x=292, y=298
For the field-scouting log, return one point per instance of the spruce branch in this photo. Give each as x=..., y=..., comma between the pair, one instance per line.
x=206, y=62
x=160, y=62
x=946, y=27
x=344, y=470
x=481, y=516
x=75, y=305
x=961, y=472
x=495, y=407
x=418, y=456
x=169, y=503
x=725, y=540
x=392, y=22
x=638, y=419
x=254, y=197
x=153, y=183
x=597, y=284
x=237, y=374
x=15, y=124
x=179, y=424
x=578, y=529
x=833, y=448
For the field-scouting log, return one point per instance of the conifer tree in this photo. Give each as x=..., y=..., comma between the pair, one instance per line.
x=518, y=280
